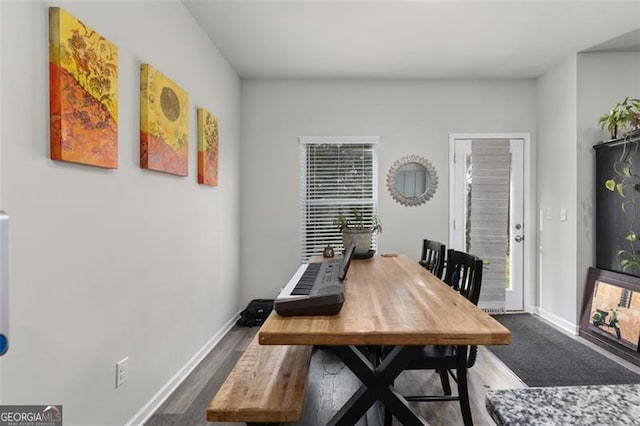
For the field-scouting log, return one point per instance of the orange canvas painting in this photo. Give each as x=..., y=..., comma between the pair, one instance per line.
x=164, y=123
x=83, y=93
x=207, y=148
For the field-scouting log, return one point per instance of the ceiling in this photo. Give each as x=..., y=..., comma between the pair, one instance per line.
x=410, y=39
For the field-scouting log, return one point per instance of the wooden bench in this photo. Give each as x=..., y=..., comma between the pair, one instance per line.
x=267, y=385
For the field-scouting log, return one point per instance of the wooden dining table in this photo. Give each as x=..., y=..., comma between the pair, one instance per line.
x=390, y=301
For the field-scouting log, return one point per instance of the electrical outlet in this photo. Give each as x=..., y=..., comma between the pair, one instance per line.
x=122, y=371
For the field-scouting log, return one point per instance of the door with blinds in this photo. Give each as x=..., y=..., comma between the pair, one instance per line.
x=487, y=211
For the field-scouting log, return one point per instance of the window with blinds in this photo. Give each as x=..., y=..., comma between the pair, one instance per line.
x=337, y=175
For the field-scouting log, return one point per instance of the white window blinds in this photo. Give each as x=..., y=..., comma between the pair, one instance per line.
x=489, y=217
x=337, y=175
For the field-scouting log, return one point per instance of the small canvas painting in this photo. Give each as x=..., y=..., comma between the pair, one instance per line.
x=164, y=123
x=207, y=148
x=83, y=93
x=615, y=314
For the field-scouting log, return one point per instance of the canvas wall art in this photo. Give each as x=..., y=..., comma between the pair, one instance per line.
x=207, y=148
x=615, y=313
x=611, y=313
x=164, y=123
x=83, y=93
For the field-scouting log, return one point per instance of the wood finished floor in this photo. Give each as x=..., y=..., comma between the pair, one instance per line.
x=330, y=385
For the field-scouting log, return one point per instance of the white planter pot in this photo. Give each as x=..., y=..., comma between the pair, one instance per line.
x=362, y=238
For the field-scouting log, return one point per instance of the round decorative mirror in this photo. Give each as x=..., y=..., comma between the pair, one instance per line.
x=412, y=180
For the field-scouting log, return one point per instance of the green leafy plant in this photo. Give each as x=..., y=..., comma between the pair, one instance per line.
x=624, y=117
x=357, y=221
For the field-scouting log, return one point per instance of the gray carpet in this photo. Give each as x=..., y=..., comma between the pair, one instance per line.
x=542, y=356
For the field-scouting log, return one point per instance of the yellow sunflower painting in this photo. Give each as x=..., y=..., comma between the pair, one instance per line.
x=83, y=93
x=164, y=123
x=207, y=148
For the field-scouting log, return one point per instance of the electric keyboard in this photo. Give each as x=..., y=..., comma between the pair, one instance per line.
x=315, y=288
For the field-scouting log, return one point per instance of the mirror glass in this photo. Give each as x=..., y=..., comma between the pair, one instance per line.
x=412, y=180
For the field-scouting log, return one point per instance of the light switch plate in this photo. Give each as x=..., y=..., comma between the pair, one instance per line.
x=122, y=371
x=549, y=214
x=563, y=214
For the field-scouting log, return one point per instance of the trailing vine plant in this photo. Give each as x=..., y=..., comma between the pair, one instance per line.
x=624, y=183
x=624, y=118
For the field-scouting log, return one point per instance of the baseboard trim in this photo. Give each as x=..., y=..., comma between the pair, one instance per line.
x=556, y=321
x=154, y=403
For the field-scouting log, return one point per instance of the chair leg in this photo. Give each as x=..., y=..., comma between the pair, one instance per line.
x=463, y=391
x=444, y=379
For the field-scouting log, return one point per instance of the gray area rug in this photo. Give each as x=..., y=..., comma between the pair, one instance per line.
x=542, y=356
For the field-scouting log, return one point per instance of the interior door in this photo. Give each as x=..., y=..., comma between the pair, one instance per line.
x=486, y=215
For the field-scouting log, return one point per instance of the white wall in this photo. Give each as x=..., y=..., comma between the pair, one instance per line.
x=411, y=117
x=556, y=187
x=603, y=80
x=571, y=98
x=110, y=263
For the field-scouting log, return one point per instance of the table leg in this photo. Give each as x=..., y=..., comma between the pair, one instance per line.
x=377, y=384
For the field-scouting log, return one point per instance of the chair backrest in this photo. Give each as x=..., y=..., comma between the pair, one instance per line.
x=432, y=257
x=464, y=274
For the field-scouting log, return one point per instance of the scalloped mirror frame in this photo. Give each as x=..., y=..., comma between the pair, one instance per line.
x=432, y=181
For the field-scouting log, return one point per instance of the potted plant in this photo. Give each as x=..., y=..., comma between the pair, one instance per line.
x=355, y=227
x=623, y=118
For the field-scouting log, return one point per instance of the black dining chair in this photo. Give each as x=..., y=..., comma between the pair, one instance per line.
x=463, y=274
x=432, y=257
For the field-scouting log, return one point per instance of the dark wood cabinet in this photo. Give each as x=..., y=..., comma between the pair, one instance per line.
x=618, y=205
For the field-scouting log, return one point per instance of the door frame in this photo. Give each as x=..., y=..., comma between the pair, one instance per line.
x=1, y=205
x=528, y=279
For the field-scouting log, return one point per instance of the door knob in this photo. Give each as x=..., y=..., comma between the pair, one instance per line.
x=519, y=238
